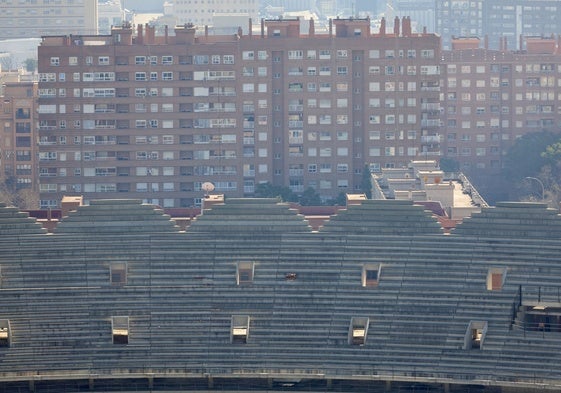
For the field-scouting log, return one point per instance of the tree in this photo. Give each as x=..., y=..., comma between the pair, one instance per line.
x=536, y=155
x=525, y=157
x=449, y=165
x=366, y=183
x=268, y=190
x=30, y=65
x=310, y=198
x=340, y=200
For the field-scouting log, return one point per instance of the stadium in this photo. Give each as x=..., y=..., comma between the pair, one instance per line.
x=250, y=298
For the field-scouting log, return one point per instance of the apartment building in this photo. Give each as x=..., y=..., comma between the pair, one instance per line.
x=18, y=148
x=35, y=18
x=202, y=13
x=135, y=114
x=496, y=19
x=490, y=98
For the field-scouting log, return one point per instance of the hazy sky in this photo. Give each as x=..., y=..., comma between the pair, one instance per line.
x=144, y=5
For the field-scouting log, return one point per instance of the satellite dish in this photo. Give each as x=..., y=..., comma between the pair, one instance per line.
x=207, y=187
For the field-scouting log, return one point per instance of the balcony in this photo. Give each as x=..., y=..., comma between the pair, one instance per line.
x=430, y=123
x=431, y=139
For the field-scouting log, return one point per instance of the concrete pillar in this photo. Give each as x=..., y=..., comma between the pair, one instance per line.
x=446, y=387
x=329, y=384
x=150, y=382
x=31, y=385
x=210, y=382
x=270, y=383
x=388, y=386
x=91, y=383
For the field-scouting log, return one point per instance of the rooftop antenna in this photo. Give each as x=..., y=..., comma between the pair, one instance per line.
x=207, y=187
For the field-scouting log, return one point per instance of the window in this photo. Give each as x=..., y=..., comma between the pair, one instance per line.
x=358, y=330
x=118, y=273
x=371, y=275
x=495, y=279
x=55, y=61
x=244, y=273
x=475, y=335
x=239, y=331
x=120, y=330
x=139, y=60
x=5, y=333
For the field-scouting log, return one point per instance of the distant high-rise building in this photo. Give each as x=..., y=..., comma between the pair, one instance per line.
x=110, y=14
x=204, y=12
x=496, y=19
x=512, y=19
x=29, y=19
x=421, y=12
x=459, y=18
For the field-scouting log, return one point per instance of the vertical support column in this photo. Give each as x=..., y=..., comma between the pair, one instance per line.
x=270, y=383
x=31, y=385
x=446, y=387
x=91, y=383
x=388, y=386
x=210, y=382
x=329, y=384
x=150, y=382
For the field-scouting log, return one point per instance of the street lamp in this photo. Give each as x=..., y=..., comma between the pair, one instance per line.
x=540, y=183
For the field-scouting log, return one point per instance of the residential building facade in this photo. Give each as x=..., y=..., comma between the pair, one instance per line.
x=33, y=19
x=496, y=19
x=188, y=11
x=18, y=147
x=490, y=98
x=153, y=117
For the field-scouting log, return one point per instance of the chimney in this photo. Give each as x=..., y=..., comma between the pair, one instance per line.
x=150, y=33
x=486, y=42
x=206, y=32
x=406, y=26
x=330, y=27
x=185, y=34
x=166, y=33
x=139, y=37
x=383, y=27
x=262, y=28
x=312, y=30
x=396, y=26
x=250, y=27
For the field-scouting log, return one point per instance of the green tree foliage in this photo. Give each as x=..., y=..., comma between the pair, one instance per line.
x=30, y=65
x=340, y=200
x=536, y=155
x=525, y=157
x=366, y=183
x=449, y=165
x=268, y=190
x=310, y=198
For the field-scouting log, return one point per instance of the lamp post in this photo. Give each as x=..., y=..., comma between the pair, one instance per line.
x=540, y=183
